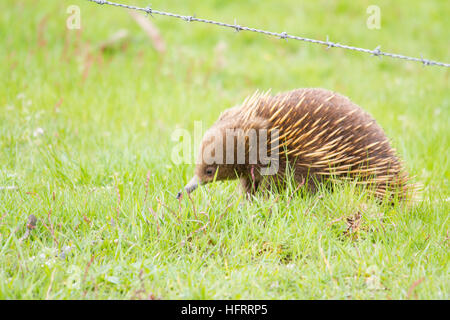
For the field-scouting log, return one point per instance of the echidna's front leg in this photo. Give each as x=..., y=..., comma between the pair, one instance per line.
x=248, y=186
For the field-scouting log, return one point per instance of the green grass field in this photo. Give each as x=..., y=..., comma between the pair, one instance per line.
x=85, y=139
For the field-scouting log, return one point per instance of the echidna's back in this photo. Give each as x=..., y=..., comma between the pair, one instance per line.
x=326, y=135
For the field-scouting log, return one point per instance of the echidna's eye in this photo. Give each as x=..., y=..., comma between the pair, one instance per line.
x=209, y=171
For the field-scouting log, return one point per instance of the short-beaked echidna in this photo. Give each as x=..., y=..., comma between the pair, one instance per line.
x=321, y=135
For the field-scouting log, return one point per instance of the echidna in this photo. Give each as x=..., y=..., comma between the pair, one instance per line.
x=321, y=135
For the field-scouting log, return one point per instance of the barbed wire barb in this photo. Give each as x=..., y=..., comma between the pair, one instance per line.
x=329, y=44
x=236, y=26
x=148, y=10
x=283, y=35
x=376, y=52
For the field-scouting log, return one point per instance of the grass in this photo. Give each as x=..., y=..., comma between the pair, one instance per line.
x=85, y=136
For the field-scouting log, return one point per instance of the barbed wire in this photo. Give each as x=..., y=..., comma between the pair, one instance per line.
x=283, y=35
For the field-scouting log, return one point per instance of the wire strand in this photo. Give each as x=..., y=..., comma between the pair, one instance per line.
x=283, y=35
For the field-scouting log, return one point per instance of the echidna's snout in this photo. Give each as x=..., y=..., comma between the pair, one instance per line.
x=191, y=186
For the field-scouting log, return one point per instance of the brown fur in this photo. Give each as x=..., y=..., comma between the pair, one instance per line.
x=322, y=136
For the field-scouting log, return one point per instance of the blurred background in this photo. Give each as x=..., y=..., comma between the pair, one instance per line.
x=115, y=89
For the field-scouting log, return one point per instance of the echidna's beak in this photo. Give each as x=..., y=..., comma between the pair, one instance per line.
x=191, y=186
